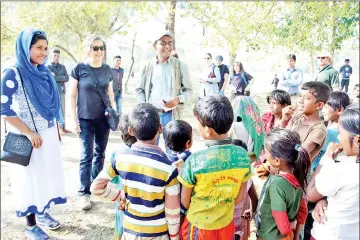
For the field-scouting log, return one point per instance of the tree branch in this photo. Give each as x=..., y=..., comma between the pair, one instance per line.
x=66, y=51
x=123, y=25
x=132, y=61
x=264, y=19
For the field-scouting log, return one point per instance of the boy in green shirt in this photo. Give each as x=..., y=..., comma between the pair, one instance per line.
x=214, y=179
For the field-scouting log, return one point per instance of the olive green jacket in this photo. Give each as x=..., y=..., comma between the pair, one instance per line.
x=329, y=76
x=181, y=84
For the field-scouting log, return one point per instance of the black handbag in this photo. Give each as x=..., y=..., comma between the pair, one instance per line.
x=111, y=115
x=17, y=147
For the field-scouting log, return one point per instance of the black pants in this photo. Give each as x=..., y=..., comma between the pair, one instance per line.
x=309, y=221
x=30, y=220
x=345, y=83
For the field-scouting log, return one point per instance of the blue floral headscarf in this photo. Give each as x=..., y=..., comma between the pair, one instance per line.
x=39, y=83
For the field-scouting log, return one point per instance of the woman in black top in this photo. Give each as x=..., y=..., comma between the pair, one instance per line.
x=89, y=120
x=240, y=80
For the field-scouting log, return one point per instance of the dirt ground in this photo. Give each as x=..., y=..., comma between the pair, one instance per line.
x=97, y=223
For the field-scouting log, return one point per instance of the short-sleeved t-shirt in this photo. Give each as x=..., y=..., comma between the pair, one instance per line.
x=89, y=103
x=215, y=174
x=339, y=182
x=280, y=196
x=240, y=81
x=314, y=132
x=223, y=69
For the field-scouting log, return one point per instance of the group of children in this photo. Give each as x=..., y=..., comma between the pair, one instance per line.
x=209, y=194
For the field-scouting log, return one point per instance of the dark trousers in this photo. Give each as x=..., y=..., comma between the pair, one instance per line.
x=345, y=83
x=92, y=155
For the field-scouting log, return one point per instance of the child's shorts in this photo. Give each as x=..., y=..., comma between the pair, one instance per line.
x=190, y=232
x=128, y=236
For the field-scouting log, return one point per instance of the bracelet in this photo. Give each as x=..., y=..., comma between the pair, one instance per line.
x=116, y=196
x=174, y=235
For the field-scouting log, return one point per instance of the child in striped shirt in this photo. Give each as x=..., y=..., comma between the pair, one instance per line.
x=151, y=188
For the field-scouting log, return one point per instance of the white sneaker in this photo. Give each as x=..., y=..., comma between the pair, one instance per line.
x=85, y=202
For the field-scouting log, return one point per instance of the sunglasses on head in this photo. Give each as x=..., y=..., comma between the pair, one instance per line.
x=321, y=57
x=97, y=48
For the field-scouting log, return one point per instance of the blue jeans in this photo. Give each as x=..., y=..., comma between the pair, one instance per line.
x=61, y=120
x=92, y=157
x=165, y=118
x=117, y=99
x=62, y=112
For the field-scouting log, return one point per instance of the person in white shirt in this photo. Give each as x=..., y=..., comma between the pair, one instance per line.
x=337, y=178
x=209, y=78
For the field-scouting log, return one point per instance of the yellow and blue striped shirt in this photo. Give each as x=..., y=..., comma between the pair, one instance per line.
x=151, y=189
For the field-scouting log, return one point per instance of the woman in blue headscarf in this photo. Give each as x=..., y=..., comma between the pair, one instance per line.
x=39, y=185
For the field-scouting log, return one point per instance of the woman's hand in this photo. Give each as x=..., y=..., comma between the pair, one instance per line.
x=76, y=127
x=34, y=138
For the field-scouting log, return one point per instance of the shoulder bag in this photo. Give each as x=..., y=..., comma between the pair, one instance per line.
x=112, y=116
x=17, y=147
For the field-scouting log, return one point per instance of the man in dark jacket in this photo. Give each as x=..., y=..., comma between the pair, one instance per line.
x=61, y=77
x=346, y=72
x=118, y=74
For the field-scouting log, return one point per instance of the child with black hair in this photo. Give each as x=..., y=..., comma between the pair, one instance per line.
x=152, y=190
x=337, y=178
x=308, y=124
x=334, y=107
x=128, y=142
x=178, y=135
x=243, y=213
x=282, y=206
x=213, y=179
x=277, y=100
x=306, y=121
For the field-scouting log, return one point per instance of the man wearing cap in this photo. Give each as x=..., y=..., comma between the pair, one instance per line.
x=224, y=73
x=327, y=73
x=346, y=72
x=164, y=82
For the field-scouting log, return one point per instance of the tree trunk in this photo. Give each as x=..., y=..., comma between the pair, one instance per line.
x=312, y=63
x=232, y=60
x=67, y=51
x=132, y=63
x=333, y=30
x=171, y=19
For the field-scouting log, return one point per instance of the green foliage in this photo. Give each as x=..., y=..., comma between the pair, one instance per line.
x=315, y=26
x=233, y=24
x=68, y=23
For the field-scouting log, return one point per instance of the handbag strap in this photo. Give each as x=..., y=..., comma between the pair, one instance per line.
x=97, y=86
x=22, y=84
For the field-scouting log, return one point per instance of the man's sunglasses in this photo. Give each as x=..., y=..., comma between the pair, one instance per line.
x=207, y=58
x=321, y=57
x=97, y=48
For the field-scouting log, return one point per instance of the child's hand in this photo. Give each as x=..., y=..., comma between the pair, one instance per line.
x=318, y=213
x=248, y=214
x=287, y=113
x=293, y=224
x=121, y=200
x=333, y=150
